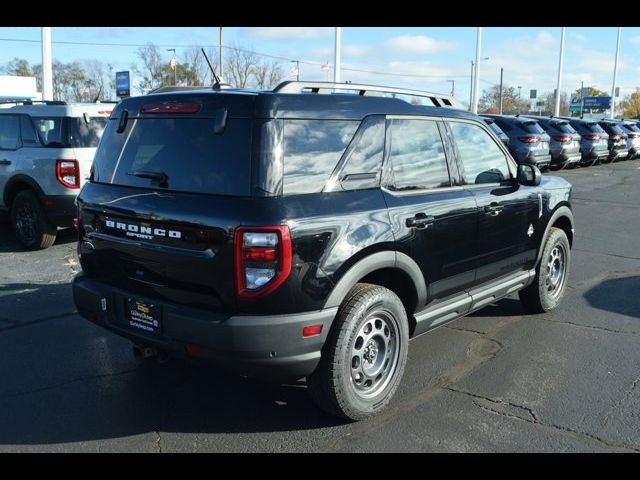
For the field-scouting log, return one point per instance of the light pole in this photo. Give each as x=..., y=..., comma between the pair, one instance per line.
x=501, y=72
x=453, y=87
x=174, y=64
x=615, y=75
x=519, y=98
x=471, y=84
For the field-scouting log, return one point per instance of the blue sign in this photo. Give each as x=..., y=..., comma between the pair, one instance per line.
x=123, y=84
x=597, y=103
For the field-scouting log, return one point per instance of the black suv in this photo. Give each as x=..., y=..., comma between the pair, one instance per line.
x=565, y=141
x=305, y=232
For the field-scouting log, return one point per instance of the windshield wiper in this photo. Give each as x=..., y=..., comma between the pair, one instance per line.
x=158, y=177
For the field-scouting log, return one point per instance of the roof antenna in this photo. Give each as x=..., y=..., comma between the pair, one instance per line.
x=216, y=86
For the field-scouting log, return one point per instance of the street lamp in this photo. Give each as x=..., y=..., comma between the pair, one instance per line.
x=519, y=96
x=174, y=64
x=471, y=89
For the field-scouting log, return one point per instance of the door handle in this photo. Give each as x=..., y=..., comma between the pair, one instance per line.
x=4, y=161
x=421, y=220
x=493, y=209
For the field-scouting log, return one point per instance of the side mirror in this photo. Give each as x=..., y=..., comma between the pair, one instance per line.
x=529, y=175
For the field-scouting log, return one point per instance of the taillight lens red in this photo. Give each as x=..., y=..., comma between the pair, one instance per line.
x=262, y=259
x=529, y=139
x=615, y=137
x=170, y=108
x=634, y=135
x=562, y=138
x=592, y=136
x=68, y=173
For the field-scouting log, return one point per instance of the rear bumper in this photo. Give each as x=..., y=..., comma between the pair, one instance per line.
x=592, y=154
x=541, y=161
x=60, y=209
x=267, y=346
x=618, y=154
x=566, y=158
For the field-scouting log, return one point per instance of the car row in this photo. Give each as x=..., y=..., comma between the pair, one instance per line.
x=559, y=142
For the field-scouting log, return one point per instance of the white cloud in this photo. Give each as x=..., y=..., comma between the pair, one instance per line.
x=418, y=44
x=578, y=36
x=356, y=50
x=289, y=33
x=635, y=40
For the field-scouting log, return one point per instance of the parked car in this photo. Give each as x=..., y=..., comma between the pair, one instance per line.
x=290, y=234
x=630, y=127
x=593, y=140
x=497, y=130
x=565, y=141
x=528, y=142
x=617, y=144
x=46, y=150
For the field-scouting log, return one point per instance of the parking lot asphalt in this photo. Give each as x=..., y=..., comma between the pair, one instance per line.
x=498, y=380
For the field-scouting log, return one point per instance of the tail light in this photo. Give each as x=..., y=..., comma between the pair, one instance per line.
x=634, y=135
x=529, y=139
x=562, y=138
x=592, y=136
x=614, y=137
x=68, y=173
x=262, y=259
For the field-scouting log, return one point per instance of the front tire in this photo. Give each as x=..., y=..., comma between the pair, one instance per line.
x=550, y=282
x=364, y=356
x=30, y=225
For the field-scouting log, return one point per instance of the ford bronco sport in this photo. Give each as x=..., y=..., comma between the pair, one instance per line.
x=46, y=150
x=310, y=231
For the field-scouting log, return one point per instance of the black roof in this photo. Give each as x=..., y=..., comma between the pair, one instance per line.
x=244, y=103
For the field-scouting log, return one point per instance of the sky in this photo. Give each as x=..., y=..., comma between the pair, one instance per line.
x=425, y=58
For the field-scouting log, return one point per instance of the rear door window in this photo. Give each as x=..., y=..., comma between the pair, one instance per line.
x=362, y=168
x=182, y=154
x=28, y=133
x=417, y=155
x=85, y=135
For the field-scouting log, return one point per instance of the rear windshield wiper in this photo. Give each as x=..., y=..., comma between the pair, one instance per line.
x=157, y=177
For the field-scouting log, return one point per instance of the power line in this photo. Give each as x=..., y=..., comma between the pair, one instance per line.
x=278, y=57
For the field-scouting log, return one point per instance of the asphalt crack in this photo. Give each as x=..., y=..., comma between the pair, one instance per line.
x=158, y=441
x=534, y=420
x=69, y=382
x=593, y=327
x=17, y=324
x=624, y=398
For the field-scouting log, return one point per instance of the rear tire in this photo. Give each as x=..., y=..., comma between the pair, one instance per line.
x=364, y=356
x=29, y=222
x=550, y=282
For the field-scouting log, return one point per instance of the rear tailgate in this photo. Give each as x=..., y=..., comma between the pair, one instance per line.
x=165, y=196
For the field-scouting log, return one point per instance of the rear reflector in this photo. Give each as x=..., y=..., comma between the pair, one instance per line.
x=104, y=112
x=311, y=330
x=170, y=108
x=194, y=350
x=529, y=139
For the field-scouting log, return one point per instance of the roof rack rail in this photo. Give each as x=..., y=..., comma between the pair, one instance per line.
x=32, y=102
x=437, y=99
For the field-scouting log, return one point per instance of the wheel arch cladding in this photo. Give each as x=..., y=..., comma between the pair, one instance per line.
x=393, y=270
x=562, y=218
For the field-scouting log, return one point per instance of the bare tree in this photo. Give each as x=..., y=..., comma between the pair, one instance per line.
x=267, y=74
x=153, y=69
x=200, y=74
x=99, y=79
x=240, y=66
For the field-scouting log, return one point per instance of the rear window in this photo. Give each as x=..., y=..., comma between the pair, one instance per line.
x=496, y=129
x=183, y=154
x=69, y=132
x=614, y=129
x=631, y=127
x=563, y=127
x=530, y=127
x=593, y=127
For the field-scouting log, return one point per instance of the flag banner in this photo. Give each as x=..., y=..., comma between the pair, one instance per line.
x=294, y=72
x=172, y=64
x=325, y=67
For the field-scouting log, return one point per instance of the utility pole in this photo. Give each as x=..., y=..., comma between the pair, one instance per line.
x=501, y=71
x=220, y=54
x=336, y=63
x=476, y=79
x=47, y=70
x=519, y=97
x=556, y=110
x=453, y=87
x=471, y=87
x=174, y=64
x=581, y=99
x=615, y=73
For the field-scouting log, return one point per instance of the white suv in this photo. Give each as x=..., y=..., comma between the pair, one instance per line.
x=46, y=151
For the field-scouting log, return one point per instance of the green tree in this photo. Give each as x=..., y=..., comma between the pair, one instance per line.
x=18, y=67
x=630, y=105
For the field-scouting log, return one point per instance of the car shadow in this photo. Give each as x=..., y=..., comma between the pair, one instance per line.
x=68, y=380
x=9, y=244
x=617, y=295
x=506, y=307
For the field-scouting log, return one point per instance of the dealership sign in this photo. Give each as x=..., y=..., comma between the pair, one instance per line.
x=123, y=84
